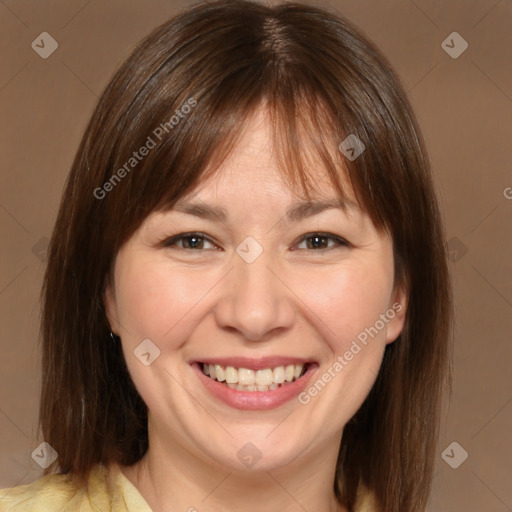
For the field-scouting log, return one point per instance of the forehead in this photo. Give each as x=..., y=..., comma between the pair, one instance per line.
x=255, y=165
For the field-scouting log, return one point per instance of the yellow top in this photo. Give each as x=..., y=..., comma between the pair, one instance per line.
x=108, y=491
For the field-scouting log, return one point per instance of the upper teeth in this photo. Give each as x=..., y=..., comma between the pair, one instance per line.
x=248, y=377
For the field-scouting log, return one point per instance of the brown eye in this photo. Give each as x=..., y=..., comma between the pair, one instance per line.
x=318, y=241
x=191, y=241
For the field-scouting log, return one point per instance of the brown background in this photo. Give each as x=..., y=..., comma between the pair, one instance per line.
x=464, y=106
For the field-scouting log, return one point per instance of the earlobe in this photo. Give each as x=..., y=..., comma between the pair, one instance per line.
x=109, y=302
x=397, y=313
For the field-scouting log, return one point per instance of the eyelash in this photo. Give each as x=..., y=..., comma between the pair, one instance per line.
x=170, y=242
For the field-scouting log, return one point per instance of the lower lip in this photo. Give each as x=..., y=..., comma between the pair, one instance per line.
x=255, y=400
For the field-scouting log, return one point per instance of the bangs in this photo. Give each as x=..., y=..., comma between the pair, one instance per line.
x=303, y=144
x=305, y=141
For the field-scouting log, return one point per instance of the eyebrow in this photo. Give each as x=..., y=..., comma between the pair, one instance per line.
x=294, y=213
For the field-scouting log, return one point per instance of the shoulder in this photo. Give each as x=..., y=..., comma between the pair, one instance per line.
x=106, y=489
x=51, y=492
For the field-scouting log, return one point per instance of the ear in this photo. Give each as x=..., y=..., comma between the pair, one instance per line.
x=109, y=301
x=397, y=310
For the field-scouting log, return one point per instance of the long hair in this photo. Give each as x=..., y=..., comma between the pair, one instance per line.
x=184, y=94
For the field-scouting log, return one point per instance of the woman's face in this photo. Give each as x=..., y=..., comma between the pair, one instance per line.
x=271, y=291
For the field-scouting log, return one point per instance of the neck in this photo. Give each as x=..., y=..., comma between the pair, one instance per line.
x=170, y=474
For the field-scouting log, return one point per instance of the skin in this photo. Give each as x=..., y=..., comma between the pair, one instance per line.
x=293, y=300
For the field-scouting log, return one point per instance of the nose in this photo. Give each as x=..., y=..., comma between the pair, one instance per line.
x=256, y=303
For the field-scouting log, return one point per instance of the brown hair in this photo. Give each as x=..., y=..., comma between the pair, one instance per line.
x=321, y=80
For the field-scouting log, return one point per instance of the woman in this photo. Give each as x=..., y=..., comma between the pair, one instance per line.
x=247, y=302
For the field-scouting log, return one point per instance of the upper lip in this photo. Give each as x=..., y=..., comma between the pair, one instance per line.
x=254, y=364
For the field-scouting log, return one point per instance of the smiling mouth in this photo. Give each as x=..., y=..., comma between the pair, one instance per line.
x=245, y=379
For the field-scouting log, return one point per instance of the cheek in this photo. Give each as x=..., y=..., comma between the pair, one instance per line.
x=153, y=299
x=347, y=301
x=156, y=302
